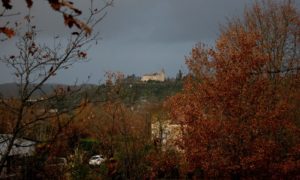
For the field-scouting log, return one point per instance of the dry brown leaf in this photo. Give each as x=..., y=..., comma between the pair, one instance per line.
x=55, y=4
x=71, y=6
x=70, y=21
x=29, y=3
x=6, y=4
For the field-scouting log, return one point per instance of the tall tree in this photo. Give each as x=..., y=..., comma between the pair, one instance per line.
x=240, y=105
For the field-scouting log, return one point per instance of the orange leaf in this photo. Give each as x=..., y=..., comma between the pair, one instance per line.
x=7, y=31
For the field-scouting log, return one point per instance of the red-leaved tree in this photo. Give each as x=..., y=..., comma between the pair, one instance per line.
x=239, y=108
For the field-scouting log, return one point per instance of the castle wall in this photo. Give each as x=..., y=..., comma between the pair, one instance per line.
x=155, y=77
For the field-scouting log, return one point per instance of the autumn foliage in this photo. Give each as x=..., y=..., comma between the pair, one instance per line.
x=239, y=108
x=68, y=10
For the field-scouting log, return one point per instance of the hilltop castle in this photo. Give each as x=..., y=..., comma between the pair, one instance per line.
x=161, y=76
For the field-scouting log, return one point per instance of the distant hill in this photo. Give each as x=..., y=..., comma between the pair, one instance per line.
x=8, y=90
x=131, y=91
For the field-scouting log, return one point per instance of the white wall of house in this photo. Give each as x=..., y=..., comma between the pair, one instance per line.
x=167, y=132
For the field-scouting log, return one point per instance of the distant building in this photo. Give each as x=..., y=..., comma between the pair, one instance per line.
x=161, y=76
x=21, y=148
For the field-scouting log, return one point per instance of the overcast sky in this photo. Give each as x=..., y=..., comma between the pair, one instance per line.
x=138, y=36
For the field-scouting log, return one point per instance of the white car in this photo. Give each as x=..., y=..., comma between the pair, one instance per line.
x=96, y=160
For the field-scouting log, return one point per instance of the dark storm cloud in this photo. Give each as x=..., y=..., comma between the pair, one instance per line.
x=169, y=20
x=139, y=36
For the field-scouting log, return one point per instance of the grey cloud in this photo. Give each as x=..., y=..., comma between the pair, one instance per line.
x=139, y=36
x=169, y=20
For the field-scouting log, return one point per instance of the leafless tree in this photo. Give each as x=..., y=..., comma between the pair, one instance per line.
x=34, y=65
